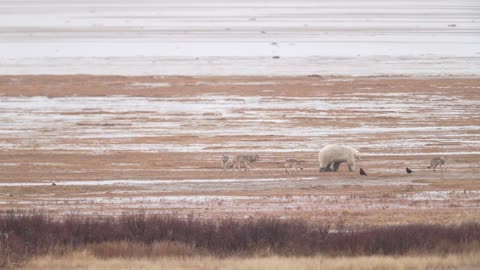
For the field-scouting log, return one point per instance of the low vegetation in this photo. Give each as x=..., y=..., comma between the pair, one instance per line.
x=28, y=235
x=85, y=260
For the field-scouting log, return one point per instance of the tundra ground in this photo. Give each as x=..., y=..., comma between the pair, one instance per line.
x=115, y=144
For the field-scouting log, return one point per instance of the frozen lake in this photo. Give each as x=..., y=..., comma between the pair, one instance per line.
x=230, y=37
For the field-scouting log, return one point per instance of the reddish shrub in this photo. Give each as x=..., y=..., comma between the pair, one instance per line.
x=32, y=233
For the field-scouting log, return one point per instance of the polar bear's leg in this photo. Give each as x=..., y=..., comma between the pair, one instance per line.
x=351, y=165
x=322, y=169
x=329, y=166
x=336, y=165
x=326, y=168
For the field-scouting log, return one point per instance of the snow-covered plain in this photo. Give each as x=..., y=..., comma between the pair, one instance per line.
x=232, y=37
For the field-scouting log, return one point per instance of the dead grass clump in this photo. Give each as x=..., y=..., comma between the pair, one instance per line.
x=85, y=260
x=125, y=249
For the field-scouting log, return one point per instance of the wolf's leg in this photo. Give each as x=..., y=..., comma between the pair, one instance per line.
x=298, y=167
x=235, y=164
x=247, y=167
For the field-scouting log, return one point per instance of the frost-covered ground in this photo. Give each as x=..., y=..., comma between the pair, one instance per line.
x=281, y=37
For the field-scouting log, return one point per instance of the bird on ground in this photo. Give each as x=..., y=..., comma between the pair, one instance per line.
x=362, y=172
x=53, y=183
x=408, y=170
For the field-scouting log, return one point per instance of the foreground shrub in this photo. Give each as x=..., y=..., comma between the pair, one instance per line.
x=31, y=234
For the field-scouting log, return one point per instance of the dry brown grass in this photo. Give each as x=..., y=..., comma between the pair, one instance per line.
x=125, y=249
x=85, y=260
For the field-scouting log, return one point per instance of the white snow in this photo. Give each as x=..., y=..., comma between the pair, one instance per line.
x=440, y=195
x=148, y=85
x=200, y=37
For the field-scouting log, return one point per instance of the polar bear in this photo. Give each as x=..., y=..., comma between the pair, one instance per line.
x=337, y=154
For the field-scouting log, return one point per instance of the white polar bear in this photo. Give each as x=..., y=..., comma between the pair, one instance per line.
x=337, y=154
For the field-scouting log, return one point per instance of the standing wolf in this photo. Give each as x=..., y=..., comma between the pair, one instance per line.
x=337, y=154
x=227, y=162
x=245, y=160
x=438, y=161
x=238, y=161
x=291, y=163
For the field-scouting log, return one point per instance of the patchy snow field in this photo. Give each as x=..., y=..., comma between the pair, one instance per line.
x=115, y=144
x=304, y=124
x=282, y=37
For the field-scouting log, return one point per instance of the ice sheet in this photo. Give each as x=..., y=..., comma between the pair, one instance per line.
x=232, y=37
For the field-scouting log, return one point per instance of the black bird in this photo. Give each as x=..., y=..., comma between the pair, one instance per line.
x=408, y=170
x=362, y=172
x=53, y=183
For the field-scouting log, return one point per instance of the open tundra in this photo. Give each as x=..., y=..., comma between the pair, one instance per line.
x=114, y=144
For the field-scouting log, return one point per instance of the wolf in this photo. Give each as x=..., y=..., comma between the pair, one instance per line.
x=227, y=162
x=245, y=160
x=438, y=161
x=293, y=163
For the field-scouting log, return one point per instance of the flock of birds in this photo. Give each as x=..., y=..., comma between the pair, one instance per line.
x=362, y=171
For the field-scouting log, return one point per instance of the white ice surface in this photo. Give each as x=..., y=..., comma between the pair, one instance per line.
x=200, y=37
